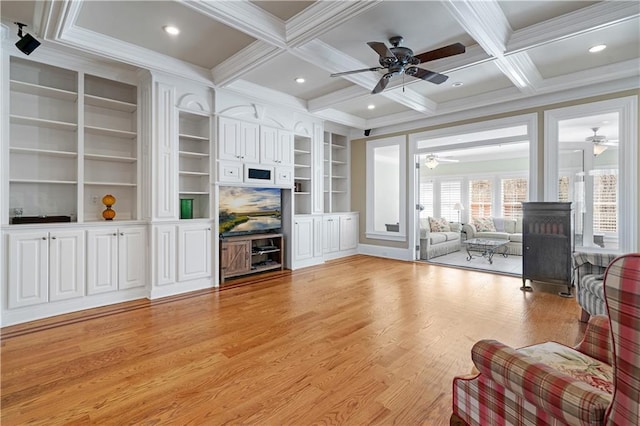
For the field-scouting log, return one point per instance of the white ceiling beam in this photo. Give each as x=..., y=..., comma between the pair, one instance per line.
x=321, y=17
x=486, y=23
x=582, y=21
x=339, y=96
x=243, y=16
x=342, y=118
x=247, y=59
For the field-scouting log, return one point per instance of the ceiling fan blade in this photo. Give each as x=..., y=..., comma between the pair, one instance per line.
x=381, y=49
x=382, y=84
x=427, y=75
x=443, y=52
x=356, y=71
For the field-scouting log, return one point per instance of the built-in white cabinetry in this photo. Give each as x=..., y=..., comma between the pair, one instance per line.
x=115, y=259
x=307, y=240
x=303, y=189
x=194, y=165
x=72, y=139
x=45, y=266
x=238, y=140
x=339, y=234
x=336, y=173
x=194, y=251
x=276, y=146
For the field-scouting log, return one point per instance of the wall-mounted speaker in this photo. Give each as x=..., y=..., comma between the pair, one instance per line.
x=367, y=132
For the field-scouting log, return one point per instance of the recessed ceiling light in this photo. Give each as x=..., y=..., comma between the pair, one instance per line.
x=597, y=48
x=170, y=29
x=457, y=84
x=371, y=106
x=300, y=80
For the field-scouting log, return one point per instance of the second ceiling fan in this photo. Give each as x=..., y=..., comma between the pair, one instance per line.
x=399, y=60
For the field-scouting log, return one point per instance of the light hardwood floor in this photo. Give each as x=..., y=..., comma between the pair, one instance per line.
x=361, y=340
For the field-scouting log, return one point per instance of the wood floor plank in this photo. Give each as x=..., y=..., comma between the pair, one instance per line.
x=360, y=340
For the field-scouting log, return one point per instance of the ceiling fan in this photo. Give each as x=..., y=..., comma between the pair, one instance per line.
x=433, y=161
x=600, y=142
x=399, y=60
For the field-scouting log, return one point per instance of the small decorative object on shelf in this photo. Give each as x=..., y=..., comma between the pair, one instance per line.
x=108, y=200
x=186, y=208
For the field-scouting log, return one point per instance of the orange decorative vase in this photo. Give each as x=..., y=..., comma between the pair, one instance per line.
x=108, y=200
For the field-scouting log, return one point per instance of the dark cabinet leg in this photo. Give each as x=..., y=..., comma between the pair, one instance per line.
x=525, y=287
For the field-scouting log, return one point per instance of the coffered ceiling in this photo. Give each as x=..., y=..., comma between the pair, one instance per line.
x=514, y=49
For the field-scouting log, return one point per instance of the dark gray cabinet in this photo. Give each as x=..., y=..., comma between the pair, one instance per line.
x=547, y=244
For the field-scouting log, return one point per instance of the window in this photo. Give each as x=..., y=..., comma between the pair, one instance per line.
x=563, y=189
x=480, y=198
x=449, y=196
x=514, y=192
x=605, y=202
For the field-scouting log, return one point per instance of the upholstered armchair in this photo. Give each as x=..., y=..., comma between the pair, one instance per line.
x=595, y=383
x=588, y=277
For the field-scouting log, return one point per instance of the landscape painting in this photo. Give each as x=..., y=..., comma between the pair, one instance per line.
x=245, y=210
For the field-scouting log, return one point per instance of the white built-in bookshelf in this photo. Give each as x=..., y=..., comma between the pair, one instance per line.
x=302, y=174
x=336, y=173
x=195, y=163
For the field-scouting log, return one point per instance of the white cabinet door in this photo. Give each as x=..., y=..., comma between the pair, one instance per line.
x=330, y=234
x=348, y=232
x=102, y=260
x=317, y=236
x=229, y=137
x=132, y=244
x=250, y=142
x=28, y=269
x=165, y=255
x=66, y=265
x=268, y=145
x=303, y=238
x=285, y=148
x=194, y=252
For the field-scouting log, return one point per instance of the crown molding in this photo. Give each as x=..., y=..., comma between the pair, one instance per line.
x=244, y=61
x=266, y=95
x=581, y=21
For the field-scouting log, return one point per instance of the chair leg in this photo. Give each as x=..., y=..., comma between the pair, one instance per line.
x=456, y=421
x=584, y=317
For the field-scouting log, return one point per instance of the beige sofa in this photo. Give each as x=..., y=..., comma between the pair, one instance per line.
x=505, y=229
x=433, y=244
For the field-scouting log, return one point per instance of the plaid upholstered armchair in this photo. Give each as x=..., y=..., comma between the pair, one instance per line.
x=595, y=383
x=588, y=275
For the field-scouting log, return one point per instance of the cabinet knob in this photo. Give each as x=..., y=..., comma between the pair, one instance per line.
x=53, y=238
x=44, y=238
x=115, y=234
x=208, y=229
x=122, y=233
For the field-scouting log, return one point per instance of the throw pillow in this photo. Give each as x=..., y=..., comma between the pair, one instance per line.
x=484, y=224
x=439, y=225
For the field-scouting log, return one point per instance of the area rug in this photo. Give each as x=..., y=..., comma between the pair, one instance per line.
x=511, y=265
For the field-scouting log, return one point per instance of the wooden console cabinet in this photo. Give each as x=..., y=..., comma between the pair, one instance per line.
x=250, y=254
x=547, y=243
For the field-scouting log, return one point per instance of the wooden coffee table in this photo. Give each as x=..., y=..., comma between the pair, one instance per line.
x=487, y=248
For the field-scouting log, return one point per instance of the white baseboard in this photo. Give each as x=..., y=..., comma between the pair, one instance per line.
x=388, y=252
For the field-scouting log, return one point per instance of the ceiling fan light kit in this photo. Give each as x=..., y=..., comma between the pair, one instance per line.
x=399, y=60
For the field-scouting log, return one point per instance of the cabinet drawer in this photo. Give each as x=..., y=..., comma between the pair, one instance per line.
x=230, y=172
x=284, y=176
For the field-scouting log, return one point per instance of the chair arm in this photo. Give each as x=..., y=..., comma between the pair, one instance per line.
x=597, y=339
x=424, y=233
x=470, y=230
x=569, y=400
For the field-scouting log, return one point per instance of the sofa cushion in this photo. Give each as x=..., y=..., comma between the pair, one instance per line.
x=484, y=224
x=493, y=235
x=594, y=284
x=516, y=238
x=437, y=237
x=439, y=224
x=452, y=236
x=509, y=226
